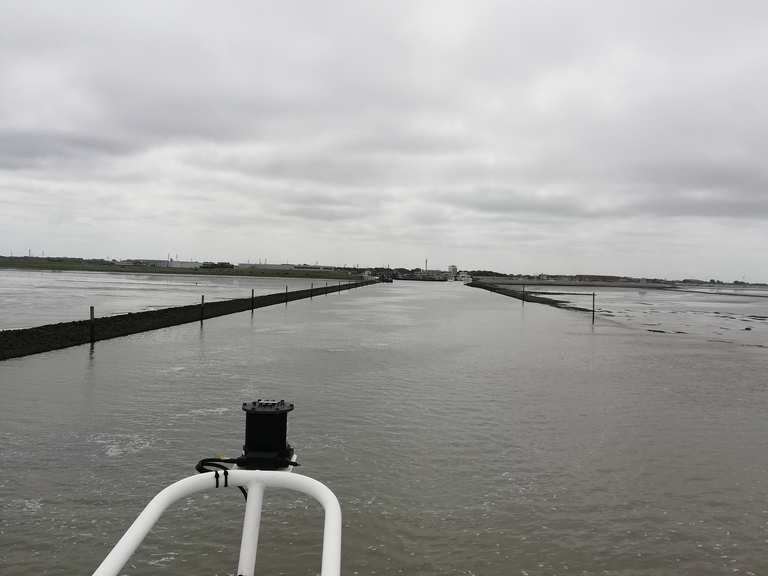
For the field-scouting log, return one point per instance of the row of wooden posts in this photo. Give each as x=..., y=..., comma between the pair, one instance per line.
x=253, y=298
x=202, y=306
x=569, y=293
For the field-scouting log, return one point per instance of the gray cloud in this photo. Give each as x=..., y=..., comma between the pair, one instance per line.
x=21, y=149
x=592, y=133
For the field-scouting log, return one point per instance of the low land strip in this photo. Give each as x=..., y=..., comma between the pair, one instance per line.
x=77, y=265
x=596, y=284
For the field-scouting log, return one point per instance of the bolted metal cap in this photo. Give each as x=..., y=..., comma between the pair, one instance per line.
x=267, y=407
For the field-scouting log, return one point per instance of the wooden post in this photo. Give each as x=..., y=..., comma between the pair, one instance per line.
x=202, y=307
x=326, y=288
x=252, y=298
x=311, y=288
x=593, y=308
x=286, y=295
x=523, y=300
x=93, y=327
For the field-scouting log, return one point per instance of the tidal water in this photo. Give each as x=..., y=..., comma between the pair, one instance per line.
x=463, y=433
x=35, y=297
x=735, y=317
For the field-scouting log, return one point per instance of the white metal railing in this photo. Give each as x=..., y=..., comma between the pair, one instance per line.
x=255, y=481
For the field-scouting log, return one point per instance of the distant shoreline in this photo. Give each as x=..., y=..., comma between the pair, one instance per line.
x=503, y=281
x=733, y=289
x=26, y=263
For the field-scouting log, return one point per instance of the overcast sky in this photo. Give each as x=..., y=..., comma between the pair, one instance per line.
x=531, y=136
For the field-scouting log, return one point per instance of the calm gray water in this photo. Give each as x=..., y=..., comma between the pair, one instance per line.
x=35, y=297
x=462, y=432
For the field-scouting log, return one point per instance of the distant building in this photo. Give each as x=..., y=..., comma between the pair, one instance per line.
x=138, y=262
x=145, y=262
x=596, y=278
x=182, y=264
x=452, y=272
x=266, y=266
x=314, y=267
x=161, y=263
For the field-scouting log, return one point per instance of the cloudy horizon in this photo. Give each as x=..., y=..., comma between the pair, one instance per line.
x=596, y=137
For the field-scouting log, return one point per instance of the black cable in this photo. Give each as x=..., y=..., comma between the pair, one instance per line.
x=206, y=464
x=214, y=464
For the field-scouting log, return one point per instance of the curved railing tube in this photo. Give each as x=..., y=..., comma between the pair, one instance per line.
x=255, y=481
